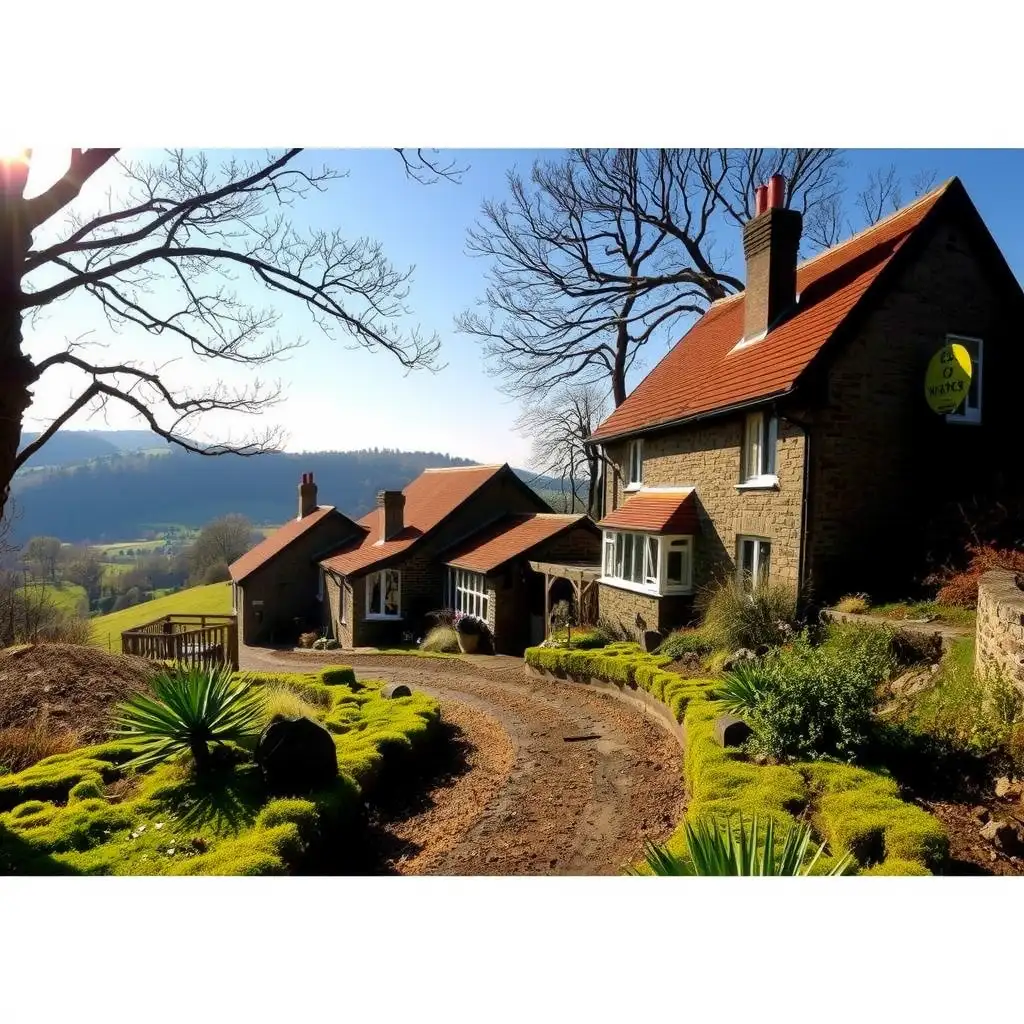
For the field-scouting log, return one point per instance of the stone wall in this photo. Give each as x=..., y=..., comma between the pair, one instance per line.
x=999, y=633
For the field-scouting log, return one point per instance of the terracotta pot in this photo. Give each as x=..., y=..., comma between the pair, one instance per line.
x=469, y=642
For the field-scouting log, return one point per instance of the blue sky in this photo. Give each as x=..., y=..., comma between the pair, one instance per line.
x=342, y=398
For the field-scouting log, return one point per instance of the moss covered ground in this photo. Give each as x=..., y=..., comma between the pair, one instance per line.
x=85, y=813
x=853, y=809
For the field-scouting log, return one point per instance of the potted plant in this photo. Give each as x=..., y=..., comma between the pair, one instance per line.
x=470, y=629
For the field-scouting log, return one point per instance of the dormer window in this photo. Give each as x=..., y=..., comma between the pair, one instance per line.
x=757, y=459
x=635, y=465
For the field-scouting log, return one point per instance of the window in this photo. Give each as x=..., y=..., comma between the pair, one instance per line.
x=635, y=465
x=753, y=560
x=384, y=595
x=467, y=592
x=654, y=565
x=760, y=440
x=970, y=411
x=343, y=604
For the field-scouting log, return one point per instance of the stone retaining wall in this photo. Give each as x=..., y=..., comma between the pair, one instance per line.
x=1000, y=629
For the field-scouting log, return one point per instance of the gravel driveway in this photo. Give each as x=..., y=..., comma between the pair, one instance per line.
x=532, y=802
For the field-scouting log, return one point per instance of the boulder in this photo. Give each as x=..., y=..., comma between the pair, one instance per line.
x=296, y=755
x=651, y=640
x=981, y=813
x=393, y=690
x=1002, y=835
x=731, y=731
x=734, y=659
x=1007, y=789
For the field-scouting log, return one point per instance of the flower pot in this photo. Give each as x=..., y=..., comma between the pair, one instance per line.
x=469, y=642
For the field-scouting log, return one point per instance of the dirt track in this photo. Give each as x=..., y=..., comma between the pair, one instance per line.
x=528, y=801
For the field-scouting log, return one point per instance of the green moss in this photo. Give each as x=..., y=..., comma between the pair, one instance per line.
x=893, y=866
x=176, y=823
x=338, y=675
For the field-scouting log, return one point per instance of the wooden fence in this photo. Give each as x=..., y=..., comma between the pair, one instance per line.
x=193, y=639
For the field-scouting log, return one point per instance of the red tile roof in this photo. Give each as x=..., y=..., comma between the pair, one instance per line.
x=432, y=496
x=509, y=537
x=273, y=545
x=705, y=371
x=668, y=511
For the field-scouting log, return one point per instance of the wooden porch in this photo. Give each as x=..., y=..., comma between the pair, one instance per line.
x=204, y=640
x=583, y=576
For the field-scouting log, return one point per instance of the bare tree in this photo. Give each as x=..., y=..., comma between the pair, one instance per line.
x=594, y=255
x=222, y=541
x=558, y=428
x=161, y=256
x=43, y=554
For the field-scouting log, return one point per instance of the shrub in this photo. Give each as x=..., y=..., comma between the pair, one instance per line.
x=853, y=604
x=815, y=701
x=21, y=746
x=743, y=689
x=615, y=632
x=338, y=675
x=688, y=641
x=281, y=700
x=716, y=848
x=218, y=572
x=190, y=708
x=442, y=617
x=735, y=616
x=441, y=640
x=308, y=639
x=961, y=587
x=470, y=625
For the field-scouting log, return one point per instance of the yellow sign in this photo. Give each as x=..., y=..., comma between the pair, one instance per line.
x=948, y=379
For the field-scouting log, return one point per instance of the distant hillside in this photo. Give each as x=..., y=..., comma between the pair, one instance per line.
x=119, y=497
x=67, y=447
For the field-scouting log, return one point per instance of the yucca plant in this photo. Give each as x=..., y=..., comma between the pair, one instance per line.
x=190, y=708
x=720, y=850
x=741, y=690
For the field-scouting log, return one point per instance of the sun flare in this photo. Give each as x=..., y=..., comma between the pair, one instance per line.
x=46, y=165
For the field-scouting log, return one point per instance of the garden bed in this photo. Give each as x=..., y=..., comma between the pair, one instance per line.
x=855, y=810
x=84, y=813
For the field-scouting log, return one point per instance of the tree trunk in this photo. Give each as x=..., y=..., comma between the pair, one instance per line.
x=16, y=370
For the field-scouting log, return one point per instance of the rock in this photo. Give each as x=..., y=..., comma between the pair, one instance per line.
x=980, y=813
x=731, y=731
x=1007, y=789
x=743, y=654
x=393, y=690
x=651, y=640
x=296, y=755
x=1002, y=835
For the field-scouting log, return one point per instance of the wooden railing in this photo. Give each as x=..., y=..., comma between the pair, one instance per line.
x=193, y=639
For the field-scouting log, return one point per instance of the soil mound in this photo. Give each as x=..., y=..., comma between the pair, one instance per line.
x=76, y=687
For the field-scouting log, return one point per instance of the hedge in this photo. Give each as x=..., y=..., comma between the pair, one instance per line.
x=853, y=809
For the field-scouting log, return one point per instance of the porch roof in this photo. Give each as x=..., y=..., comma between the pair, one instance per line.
x=509, y=537
x=656, y=511
x=575, y=572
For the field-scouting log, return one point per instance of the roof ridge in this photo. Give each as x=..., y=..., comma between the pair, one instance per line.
x=455, y=469
x=938, y=190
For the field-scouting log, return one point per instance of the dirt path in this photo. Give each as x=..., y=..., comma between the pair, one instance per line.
x=532, y=801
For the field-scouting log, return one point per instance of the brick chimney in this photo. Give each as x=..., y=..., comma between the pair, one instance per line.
x=307, y=495
x=392, y=506
x=770, y=243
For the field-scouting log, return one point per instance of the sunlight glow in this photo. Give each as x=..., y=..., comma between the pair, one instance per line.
x=46, y=165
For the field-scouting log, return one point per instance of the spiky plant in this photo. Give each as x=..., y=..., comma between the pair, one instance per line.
x=741, y=690
x=720, y=850
x=190, y=708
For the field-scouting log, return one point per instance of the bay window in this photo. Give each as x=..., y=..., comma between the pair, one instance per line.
x=467, y=592
x=653, y=564
x=384, y=594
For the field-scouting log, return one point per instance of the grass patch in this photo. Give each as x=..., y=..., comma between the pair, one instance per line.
x=67, y=598
x=441, y=639
x=214, y=599
x=56, y=820
x=853, y=604
x=947, y=614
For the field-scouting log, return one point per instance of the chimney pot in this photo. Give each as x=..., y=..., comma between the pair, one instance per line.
x=776, y=192
x=760, y=200
x=392, y=506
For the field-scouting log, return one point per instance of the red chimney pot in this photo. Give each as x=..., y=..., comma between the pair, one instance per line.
x=760, y=200
x=776, y=192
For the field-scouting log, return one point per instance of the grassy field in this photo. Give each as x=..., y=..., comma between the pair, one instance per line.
x=68, y=597
x=214, y=599
x=132, y=545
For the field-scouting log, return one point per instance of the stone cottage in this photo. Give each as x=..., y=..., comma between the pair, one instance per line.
x=787, y=436
x=465, y=538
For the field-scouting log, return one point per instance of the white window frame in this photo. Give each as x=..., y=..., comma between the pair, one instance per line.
x=756, y=576
x=759, y=449
x=968, y=413
x=467, y=592
x=382, y=573
x=635, y=465
x=648, y=561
